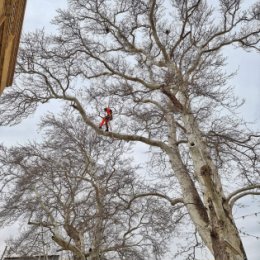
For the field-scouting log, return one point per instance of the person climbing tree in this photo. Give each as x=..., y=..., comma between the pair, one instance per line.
x=107, y=118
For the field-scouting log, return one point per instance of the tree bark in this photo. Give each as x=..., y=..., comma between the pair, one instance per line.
x=224, y=242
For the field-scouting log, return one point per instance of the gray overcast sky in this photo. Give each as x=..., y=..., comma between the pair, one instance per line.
x=247, y=82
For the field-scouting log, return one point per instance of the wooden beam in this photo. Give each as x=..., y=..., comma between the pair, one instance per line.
x=11, y=21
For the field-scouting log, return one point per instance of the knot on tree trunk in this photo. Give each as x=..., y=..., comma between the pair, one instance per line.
x=165, y=89
x=205, y=170
x=72, y=232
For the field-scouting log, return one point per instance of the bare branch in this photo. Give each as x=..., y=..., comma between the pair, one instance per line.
x=154, y=31
x=173, y=202
x=240, y=193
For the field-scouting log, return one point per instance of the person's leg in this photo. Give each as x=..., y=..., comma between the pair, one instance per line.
x=102, y=122
x=106, y=125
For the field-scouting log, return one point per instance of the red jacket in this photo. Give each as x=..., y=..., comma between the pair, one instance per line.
x=109, y=111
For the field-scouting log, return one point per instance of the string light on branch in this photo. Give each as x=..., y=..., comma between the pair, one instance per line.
x=248, y=215
x=248, y=235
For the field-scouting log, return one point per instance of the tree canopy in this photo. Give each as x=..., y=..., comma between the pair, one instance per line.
x=81, y=190
x=160, y=66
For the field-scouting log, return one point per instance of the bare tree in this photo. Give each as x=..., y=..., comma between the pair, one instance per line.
x=160, y=65
x=79, y=191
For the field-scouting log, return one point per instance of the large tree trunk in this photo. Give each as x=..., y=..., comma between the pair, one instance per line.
x=224, y=242
x=211, y=214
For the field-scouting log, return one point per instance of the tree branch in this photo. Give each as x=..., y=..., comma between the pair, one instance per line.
x=245, y=191
x=173, y=202
x=154, y=31
x=124, y=137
